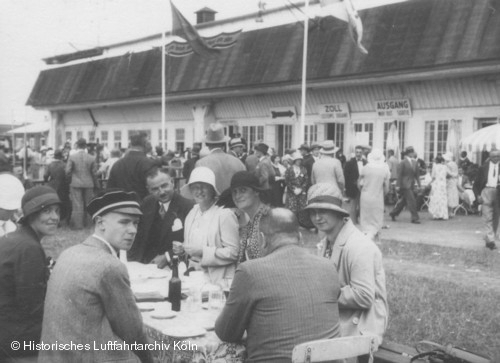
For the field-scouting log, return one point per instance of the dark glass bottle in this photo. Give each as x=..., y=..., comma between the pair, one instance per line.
x=174, y=286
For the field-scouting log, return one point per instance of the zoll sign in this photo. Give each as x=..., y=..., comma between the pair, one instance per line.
x=334, y=111
x=393, y=108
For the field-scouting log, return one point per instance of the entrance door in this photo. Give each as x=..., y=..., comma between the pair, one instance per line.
x=335, y=132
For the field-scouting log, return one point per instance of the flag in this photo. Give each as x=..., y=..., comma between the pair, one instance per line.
x=220, y=41
x=345, y=10
x=182, y=28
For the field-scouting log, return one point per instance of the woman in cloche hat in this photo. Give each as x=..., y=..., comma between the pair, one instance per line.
x=211, y=237
x=24, y=272
x=296, y=181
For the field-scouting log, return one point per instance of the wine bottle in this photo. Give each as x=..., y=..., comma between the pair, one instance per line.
x=174, y=286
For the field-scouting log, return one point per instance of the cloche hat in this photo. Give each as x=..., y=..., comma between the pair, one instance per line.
x=325, y=196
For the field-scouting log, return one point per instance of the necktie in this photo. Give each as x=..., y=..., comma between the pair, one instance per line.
x=162, y=211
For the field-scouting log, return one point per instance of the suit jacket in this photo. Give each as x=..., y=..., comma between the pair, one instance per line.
x=363, y=298
x=154, y=234
x=23, y=282
x=408, y=174
x=55, y=176
x=129, y=173
x=283, y=299
x=351, y=174
x=481, y=179
x=265, y=172
x=81, y=169
x=89, y=300
x=393, y=166
x=328, y=170
x=251, y=162
x=308, y=163
x=224, y=167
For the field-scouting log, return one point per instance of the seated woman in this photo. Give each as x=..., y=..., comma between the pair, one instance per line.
x=24, y=273
x=211, y=238
x=246, y=190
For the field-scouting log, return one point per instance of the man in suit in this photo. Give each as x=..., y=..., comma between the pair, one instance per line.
x=285, y=298
x=55, y=177
x=408, y=175
x=129, y=173
x=89, y=300
x=191, y=162
x=486, y=190
x=223, y=165
x=81, y=169
x=393, y=163
x=307, y=160
x=161, y=229
x=236, y=149
x=265, y=170
x=352, y=170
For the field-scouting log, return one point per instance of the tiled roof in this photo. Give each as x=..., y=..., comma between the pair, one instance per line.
x=413, y=35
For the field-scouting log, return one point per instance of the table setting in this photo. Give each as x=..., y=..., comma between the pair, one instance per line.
x=187, y=335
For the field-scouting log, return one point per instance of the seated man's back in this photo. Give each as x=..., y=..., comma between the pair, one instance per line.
x=283, y=299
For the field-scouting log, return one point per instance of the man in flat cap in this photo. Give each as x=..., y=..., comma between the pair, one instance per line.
x=89, y=300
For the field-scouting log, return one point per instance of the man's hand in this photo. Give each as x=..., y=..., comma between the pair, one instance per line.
x=177, y=248
x=160, y=261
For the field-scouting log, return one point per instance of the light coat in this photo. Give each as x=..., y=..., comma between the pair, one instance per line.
x=363, y=298
x=328, y=170
x=224, y=167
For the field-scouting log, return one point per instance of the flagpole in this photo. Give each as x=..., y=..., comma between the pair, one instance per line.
x=302, y=122
x=163, y=100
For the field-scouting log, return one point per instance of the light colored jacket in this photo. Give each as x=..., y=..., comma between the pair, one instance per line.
x=328, y=170
x=363, y=298
x=224, y=167
x=221, y=246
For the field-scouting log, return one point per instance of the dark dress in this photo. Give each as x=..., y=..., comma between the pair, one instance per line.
x=297, y=202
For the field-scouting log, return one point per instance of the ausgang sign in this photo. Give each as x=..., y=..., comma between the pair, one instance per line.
x=393, y=108
x=334, y=111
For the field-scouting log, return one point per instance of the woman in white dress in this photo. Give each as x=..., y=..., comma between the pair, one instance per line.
x=211, y=236
x=438, y=202
x=374, y=183
x=451, y=182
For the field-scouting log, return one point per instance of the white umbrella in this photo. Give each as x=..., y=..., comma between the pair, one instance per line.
x=393, y=139
x=483, y=139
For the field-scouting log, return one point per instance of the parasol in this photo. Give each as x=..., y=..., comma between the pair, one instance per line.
x=393, y=139
x=483, y=139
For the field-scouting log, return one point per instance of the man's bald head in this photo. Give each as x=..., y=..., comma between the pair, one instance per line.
x=279, y=227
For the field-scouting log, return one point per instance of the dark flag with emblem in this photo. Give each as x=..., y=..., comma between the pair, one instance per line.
x=206, y=47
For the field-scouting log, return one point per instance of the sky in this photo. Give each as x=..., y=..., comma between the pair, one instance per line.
x=34, y=29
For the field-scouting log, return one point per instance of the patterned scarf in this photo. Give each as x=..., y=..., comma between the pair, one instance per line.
x=250, y=241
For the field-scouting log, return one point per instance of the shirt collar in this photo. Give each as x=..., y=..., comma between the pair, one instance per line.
x=165, y=205
x=113, y=252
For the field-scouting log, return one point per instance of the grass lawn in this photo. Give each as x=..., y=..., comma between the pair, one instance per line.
x=446, y=295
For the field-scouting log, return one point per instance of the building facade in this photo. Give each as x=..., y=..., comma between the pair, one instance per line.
x=432, y=69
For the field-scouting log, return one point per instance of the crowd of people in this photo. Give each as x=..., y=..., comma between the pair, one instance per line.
x=238, y=217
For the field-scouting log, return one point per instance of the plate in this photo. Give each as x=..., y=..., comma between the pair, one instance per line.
x=163, y=314
x=145, y=306
x=184, y=331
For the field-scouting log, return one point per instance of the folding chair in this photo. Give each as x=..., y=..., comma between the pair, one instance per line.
x=425, y=204
x=326, y=350
x=461, y=206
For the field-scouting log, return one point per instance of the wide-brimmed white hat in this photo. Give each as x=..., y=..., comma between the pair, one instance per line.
x=297, y=155
x=376, y=157
x=11, y=192
x=325, y=196
x=200, y=174
x=328, y=147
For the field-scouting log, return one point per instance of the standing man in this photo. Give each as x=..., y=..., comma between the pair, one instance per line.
x=316, y=151
x=285, y=298
x=236, y=148
x=408, y=175
x=328, y=169
x=89, y=300
x=363, y=298
x=352, y=171
x=265, y=169
x=223, y=165
x=191, y=162
x=307, y=160
x=81, y=170
x=129, y=173
x=161, y=229
x=55, y=177
x=486, y=189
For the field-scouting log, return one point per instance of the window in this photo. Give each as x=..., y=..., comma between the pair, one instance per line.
x=117, y=137
x=91, y=136
x=252, y=134
x=69, y=136
x=310, y=134
x=160, y=140
x=401, y=134
x=104, y=138
x=363, y=133
x=135, y=132
x=79, y=135
x=436, y=137
x=179, y=140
